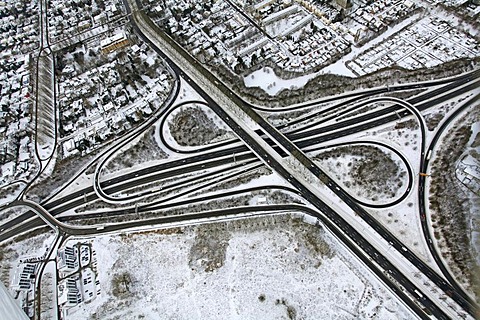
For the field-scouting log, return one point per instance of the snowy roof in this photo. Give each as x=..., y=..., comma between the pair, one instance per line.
x=113, y=39
x=23, y=156
x=8, y=308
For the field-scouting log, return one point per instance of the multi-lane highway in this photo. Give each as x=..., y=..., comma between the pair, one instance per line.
x=267, y=145
x=421, y=192
x=268, y=156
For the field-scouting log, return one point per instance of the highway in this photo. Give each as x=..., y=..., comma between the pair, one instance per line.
x=269, y=145
x=363, y=127
x=421, y=193
x=465, y=302
x=262, y=151
x=381, y=116
x=314, y=139
x=303, y=144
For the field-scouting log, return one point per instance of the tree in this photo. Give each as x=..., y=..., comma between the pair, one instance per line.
x=240, y=61
x=79, y=57
x=340, y=16
x=262, y=52
x=254, y=59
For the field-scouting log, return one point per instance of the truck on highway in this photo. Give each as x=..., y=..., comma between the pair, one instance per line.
x=418, y=293
x=429, y=154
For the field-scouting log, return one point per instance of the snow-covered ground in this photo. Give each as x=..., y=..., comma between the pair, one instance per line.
x=15, y=258
x=456, y=41
x=395, y=183
x=267, y=273
x=10, y=192
x=187, y=93
x=402, y=219
x=474, y=222
x=266, y=79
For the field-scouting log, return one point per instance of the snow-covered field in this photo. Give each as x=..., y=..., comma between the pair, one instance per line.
x=374, y=182
x=268, y=272
x=32, y=247
x=266, y=79
x=402, y=219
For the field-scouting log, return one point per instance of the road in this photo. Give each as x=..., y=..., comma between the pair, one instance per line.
x=361, y=128
x=262, y=150
x=421, y=193
x=262, y=143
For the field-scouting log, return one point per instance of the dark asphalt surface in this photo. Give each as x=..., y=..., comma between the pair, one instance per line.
x=257, y=148
x=334, y=222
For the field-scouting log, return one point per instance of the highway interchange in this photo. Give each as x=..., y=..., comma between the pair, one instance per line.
x=269, y=146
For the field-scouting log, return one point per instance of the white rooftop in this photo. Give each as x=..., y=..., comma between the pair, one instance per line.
x=115, y=38
x=8, y=308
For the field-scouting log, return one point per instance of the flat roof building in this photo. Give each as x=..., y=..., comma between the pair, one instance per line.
x=114, y=42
